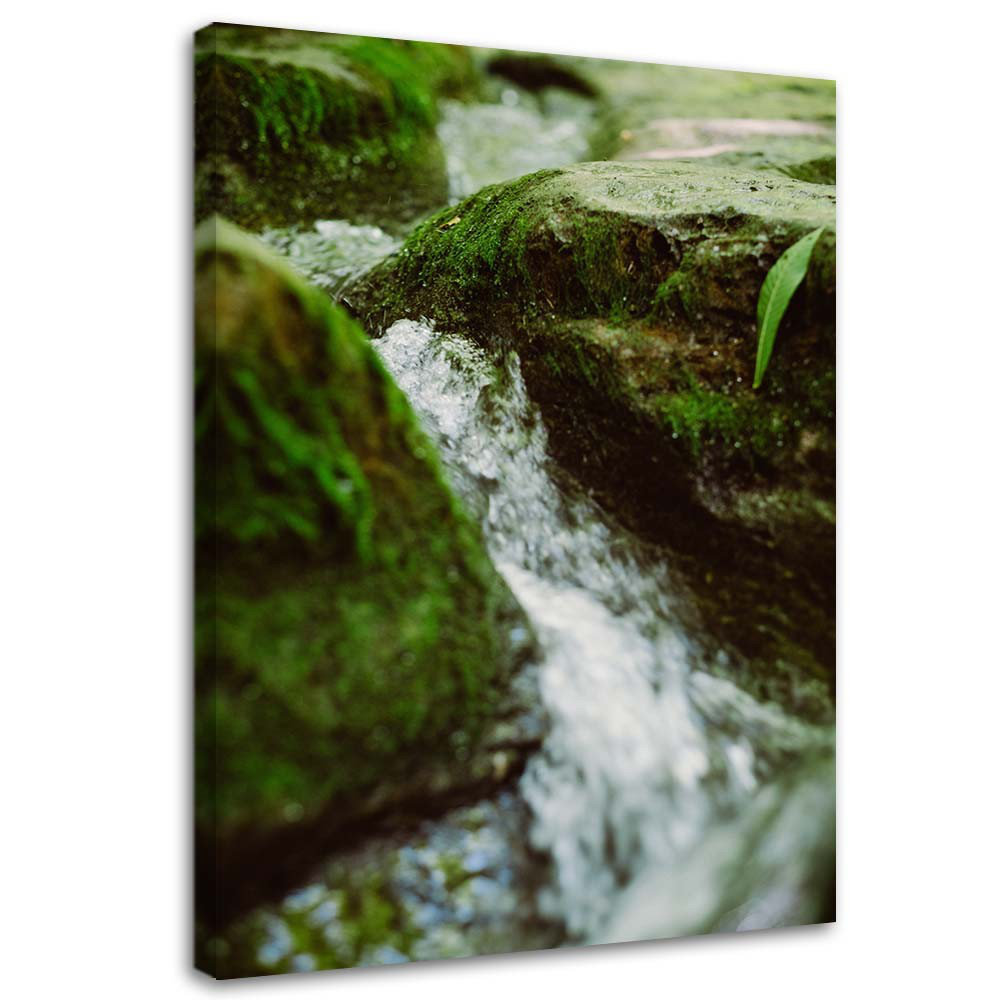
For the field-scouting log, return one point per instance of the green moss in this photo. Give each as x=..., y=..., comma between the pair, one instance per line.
x=820, y=170
x=630, y=293
x=348, y=620
x=734, y=423
x=606, y=240
x=633, y=289
x=291, y=126
x=675, y=297
x=263, y=105
x=700, y=420
x=417, y=72
x=280, y=475
x=509, y=242
x=283, y=472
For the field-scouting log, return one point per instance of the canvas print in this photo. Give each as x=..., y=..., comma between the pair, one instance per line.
x=515, y=501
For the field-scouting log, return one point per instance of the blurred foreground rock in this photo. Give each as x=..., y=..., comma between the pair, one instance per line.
x=357, y=655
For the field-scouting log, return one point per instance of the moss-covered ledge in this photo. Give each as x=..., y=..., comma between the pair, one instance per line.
x=357, y=655
x=630, y=291
x=294, y=126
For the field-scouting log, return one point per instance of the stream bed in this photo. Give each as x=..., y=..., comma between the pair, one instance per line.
x=664, y=800
x=659, y=803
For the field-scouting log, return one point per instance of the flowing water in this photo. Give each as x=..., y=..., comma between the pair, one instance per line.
x=647, y=756
x=664, y=800
x=333, y=253
x=488, y=143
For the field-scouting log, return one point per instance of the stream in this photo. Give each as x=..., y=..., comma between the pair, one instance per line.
x=664, y=800
x=647, y=757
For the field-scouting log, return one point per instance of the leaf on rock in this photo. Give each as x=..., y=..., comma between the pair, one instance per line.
x=775, y=294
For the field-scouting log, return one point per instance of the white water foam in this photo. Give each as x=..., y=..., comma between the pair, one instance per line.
x=646, y=757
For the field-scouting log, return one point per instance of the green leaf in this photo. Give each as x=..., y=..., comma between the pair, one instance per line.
x=775, y=294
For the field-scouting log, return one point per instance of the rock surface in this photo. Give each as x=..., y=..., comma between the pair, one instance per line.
x=746, y=120
x=294, y=126
x=649, y=111
x=357, y=656
x=630, y=291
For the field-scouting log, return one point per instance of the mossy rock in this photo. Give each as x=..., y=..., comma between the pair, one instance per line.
x=294, y=126
x=600, y=239
x=357, y=655
x=630, y=292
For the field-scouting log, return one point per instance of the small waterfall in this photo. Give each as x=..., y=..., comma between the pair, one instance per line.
x=666, y=800
x=652, y=769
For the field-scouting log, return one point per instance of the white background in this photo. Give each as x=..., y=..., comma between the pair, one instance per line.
x=94, y=530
